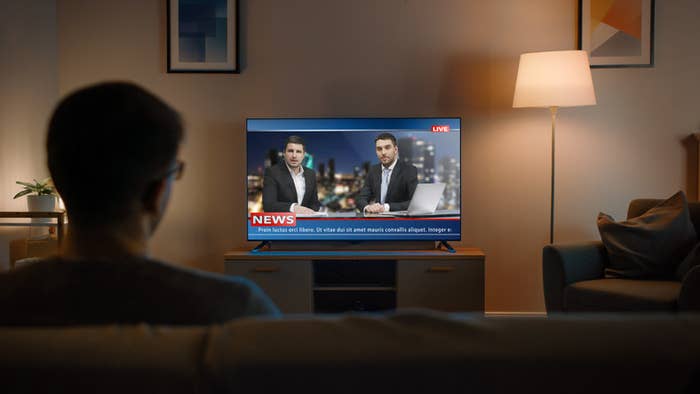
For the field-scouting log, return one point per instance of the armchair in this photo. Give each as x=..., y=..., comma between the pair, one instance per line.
x=574, y=278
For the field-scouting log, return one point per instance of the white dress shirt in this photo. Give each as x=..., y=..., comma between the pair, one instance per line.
x=388, y=179
x=299, y=185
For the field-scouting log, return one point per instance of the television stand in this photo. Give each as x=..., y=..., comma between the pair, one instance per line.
x=331, y=281
x=260, y=246
x=447, y=246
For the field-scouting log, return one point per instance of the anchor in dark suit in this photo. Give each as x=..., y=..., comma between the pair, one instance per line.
x=279, y=190
x=403, y=180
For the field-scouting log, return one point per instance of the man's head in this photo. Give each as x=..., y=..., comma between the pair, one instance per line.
x=112, y=153
x=294, y=151
x=386, y=148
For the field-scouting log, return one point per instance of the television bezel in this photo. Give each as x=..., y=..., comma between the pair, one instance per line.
x=351, y=241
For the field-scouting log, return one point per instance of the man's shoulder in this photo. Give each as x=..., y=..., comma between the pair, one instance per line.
x=309, y=172
x=124, y=268
x=227, y=289
x=375, y=169
x=166, y=268
x=277, y=169
x=273, y=168
x=407, y=167
x=35, y=267
x=107, y=288
x=404, y=164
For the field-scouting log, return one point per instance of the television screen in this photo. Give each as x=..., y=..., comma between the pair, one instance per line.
x=353, y=179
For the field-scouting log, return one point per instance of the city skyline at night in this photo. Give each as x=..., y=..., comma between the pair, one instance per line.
x=347, y=148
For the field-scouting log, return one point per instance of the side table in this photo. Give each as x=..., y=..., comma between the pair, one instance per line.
x=60, y=217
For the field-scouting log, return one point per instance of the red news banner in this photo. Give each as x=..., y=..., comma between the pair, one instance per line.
x=270, y=219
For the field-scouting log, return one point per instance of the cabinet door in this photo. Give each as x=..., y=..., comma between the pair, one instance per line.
x=288, y=283
x=447, y=285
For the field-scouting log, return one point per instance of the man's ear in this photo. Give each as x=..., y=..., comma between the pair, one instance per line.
x=153, y=195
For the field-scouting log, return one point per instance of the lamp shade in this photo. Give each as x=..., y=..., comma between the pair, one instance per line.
x=554, y=79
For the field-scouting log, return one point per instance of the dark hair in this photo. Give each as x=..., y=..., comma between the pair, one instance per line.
x=386, y=136
x=294, y=139
x=107, y=144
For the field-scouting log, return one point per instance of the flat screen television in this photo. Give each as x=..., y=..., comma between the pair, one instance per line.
x=358, y=182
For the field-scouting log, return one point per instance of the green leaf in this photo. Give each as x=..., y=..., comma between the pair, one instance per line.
x=45, y=187
x=22, y=193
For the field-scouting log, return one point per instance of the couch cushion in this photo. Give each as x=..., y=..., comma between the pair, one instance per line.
x=622, y=295
x=431, y=353
x=651, y=245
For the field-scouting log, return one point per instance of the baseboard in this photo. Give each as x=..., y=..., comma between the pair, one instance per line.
x=515, y=314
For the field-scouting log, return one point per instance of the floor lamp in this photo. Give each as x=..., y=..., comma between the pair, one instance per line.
x=552, y=80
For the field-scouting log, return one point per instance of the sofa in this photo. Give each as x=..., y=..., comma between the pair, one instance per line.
x=404, y=352
x=574, y=278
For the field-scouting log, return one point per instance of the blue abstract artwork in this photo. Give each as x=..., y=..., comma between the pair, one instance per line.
x=202, y=34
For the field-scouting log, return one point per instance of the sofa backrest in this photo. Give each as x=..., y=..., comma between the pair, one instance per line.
x=464, y=354
x=641, y=205
x=402, y=353
x=101, y=359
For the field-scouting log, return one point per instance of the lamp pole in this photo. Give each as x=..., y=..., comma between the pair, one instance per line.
x=553, y=112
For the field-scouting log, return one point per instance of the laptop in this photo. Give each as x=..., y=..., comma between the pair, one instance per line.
x=424, y=201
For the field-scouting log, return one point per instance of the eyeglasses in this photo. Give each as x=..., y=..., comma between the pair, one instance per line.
x=178, y=170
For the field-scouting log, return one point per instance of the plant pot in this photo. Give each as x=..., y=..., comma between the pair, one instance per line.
x=42, y=203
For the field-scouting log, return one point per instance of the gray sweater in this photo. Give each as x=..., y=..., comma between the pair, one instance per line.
x=133, y=290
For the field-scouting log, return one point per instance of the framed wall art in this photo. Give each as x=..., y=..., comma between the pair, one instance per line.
x=203, y=36
x=617, y=33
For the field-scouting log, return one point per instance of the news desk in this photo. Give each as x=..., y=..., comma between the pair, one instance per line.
x=328, y=281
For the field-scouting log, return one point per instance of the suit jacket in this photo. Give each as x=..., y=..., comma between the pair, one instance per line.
x=402, y=184
x=279, y=192
x=128, y=290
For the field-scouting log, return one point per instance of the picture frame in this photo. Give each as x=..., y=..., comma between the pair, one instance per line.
x=617, y=33
x=203, y=36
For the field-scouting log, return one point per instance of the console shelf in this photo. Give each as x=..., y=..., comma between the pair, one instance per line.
x=365, y=280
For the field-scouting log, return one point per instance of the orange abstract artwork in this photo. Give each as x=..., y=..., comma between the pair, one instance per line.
x=617, y=32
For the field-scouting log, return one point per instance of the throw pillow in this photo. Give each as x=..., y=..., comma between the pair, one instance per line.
x=651, y=245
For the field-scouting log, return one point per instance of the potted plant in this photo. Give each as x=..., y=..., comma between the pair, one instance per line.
x=44, y=197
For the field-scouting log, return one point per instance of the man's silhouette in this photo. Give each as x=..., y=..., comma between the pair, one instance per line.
x=112, y=151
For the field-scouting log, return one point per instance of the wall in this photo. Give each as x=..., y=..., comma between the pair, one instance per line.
x=29, y=86
x=410, y=57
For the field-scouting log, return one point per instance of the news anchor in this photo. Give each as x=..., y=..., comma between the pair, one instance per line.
x=288, y=186
x=390, y=184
